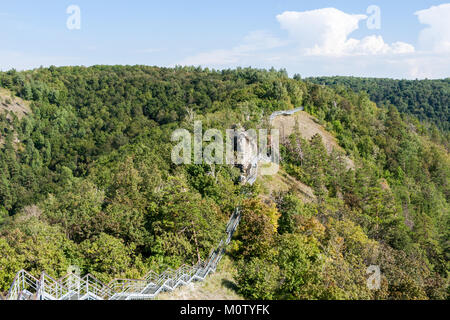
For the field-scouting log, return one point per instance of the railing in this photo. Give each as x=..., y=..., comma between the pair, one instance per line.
x=284, y=113
x=72, y=287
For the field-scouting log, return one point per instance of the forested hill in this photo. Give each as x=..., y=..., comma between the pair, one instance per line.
x=425, y=99
x=86, y=179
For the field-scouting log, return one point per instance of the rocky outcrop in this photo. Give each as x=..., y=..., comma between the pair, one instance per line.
x=246, y=153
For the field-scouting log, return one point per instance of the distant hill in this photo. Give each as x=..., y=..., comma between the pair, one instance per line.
x=426, y=99
x=87, y=181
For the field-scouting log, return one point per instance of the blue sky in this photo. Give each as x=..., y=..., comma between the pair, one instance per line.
x=307, y=37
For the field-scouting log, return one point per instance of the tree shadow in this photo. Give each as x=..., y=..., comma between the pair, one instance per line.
x=230, y=285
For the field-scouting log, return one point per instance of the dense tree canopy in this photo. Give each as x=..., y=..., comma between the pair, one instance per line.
x=86, y=179
x=427, y=100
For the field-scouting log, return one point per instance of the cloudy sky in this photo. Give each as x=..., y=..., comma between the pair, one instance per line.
x=377, y=38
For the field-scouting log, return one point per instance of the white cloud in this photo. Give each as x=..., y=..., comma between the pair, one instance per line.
x=25, y=60
x=321, y=32
x=436, y=37
x=325, y=32
x=320, y=42
x=252, y=44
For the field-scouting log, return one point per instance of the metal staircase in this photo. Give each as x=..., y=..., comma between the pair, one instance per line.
x=73, y=287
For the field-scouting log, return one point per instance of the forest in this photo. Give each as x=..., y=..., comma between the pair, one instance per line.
x=427, y=100
x=86, y=179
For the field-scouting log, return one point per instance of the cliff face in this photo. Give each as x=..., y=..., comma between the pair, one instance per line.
x=247, y=148
x=247, y=152
x=307, y=126
x=10, y=103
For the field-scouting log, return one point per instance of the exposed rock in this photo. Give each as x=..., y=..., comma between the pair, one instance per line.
x=246, y=153
x=308, y=127
x=11, y=104
x=8, y=102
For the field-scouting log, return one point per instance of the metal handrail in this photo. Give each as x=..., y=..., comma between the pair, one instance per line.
x=72, y=286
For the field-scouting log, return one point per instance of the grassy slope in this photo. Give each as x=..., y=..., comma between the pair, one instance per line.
x=218, y=286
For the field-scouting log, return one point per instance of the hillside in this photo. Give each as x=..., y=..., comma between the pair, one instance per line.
x=11, y=106
x=11, y=103
x=428, y=100
x=93, y=185
x=307, y=126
